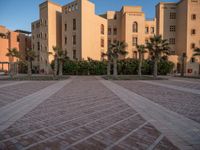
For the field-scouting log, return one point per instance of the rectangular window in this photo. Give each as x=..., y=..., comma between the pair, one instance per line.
x=65, y=27
x=74, y=54
x=45, y=35
x=65, y=40
x=193, y=45
x=194, y=16
x=115, y=16
x=115, y=31
x=146, y=30
x=172, y=15
x=18, y=40
x=135, y=54
x=172, y=28
x=193, y=31
x=74, y=39
x=152, y=30
x=134, y=41
x=193, y=60
x=74, y=24
x=172, y=41
x=109, y=31
x=38, y=46
x=102, y=42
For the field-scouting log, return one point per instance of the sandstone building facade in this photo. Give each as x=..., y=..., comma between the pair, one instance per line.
x=180, y=24
x=81, y=33
x=18, y=39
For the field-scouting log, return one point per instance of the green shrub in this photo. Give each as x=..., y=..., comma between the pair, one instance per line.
x=125, y=67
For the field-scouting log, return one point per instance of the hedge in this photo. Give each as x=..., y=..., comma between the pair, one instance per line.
x=125, y=67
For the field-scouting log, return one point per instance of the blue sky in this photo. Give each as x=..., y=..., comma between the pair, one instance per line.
x=18, y=14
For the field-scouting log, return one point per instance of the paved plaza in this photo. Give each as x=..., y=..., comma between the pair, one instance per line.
x=90, y=113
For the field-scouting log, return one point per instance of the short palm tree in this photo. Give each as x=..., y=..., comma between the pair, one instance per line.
x=12, y=53
x=59, y=57
x=117, y=50
x=141, y=50
x=196, y=52
x=157, y=47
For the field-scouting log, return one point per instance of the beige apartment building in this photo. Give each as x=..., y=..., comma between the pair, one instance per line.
x=18, y=39
x=180, y=24
x=129, y=25
x=74, y=27
x=82, y=34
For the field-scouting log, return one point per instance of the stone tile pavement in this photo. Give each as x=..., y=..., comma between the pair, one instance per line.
x=12, y=91
x=184, y=103
x=82, y=115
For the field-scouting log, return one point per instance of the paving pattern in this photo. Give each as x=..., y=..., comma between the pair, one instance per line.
x=12, y=93
x=184, y=103
x=185, y=84
x=83, y=115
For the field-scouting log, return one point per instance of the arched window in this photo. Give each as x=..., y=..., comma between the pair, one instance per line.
x=102, y=29
x=135, y=27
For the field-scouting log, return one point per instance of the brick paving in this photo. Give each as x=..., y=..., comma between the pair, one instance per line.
x=190, y=84
x=12, y=93
x=83, y=115
x=184, y=103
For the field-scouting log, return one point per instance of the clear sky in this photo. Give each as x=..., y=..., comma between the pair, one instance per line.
x=18, y=14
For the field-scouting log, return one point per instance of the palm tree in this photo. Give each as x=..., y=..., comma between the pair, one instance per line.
x=61, y=56
x=197, y=52
x=12, y=53
x=109, y=57
x=157, y=47
x=117, y=50
x=30, y=56
x=141, y=50
x=55, y=49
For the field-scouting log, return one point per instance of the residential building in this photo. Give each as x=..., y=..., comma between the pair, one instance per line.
x=179, y=23
x=46, y=33
x=18, y=39
x=129, y=25
x=82, y=34
x=74, y=27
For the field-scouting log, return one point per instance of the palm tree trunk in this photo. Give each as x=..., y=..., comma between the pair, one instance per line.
x=182, y=67
x=11, y=69
x=140, y=67
x=29, y=69
x=60, y=68
x=108, y=68
x=115, y=66
x=55, y=67
x=155, y=72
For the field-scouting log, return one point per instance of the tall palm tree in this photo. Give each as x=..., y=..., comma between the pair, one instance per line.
x=117, y=50
x=30, y=56
x=157, y=47
x=61, y=56
x=197, y=52
x=12, y=53
x=108, y=54
x=141, y=50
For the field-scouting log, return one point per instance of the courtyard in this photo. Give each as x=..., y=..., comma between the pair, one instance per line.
x=90, y=113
